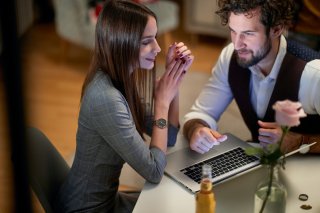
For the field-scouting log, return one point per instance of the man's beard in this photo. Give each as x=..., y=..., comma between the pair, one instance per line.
x=261, y=54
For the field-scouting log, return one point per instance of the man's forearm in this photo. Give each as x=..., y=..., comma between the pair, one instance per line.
x=307, y=139
x=191, y=125
x=293, y=141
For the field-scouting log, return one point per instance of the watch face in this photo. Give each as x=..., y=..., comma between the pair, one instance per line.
x=161, y=123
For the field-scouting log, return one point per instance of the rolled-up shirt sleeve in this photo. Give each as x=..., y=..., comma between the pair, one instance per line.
x=310, y=87
x=216, y=94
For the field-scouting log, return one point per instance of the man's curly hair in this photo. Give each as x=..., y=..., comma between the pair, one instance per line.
x=273, y=12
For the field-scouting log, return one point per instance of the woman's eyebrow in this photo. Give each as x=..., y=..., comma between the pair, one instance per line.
x=149, y=36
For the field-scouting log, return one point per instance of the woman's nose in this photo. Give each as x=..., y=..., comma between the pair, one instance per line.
x=157, y=48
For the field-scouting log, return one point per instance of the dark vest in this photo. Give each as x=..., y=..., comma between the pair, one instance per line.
x=286, y=87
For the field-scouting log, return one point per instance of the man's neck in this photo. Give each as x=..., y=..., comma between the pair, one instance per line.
x=266, y=64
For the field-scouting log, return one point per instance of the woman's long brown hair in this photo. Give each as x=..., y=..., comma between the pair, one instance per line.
x=119, y=31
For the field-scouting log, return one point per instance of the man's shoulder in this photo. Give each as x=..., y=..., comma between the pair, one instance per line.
x=226, y=53
x=314, y=65
x=228, y=50
x=311, y=73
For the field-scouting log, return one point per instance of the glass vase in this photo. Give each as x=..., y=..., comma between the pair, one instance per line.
x=276, y=201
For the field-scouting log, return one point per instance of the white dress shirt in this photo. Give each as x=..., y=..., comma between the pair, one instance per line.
x=217, y=95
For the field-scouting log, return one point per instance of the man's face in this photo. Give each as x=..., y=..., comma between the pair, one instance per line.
x=249, y=38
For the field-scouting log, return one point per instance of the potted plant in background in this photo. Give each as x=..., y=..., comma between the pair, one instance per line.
x=270, y=195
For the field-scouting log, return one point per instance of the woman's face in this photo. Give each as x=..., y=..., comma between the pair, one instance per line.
x=149, y=47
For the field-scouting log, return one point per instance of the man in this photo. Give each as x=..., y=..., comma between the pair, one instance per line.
x=257, y=70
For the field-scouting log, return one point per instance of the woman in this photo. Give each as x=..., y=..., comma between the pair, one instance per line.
x=116, y=101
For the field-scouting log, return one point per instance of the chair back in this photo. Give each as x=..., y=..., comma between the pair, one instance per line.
x=47, y=168
x=72, y=22
x=301, y=51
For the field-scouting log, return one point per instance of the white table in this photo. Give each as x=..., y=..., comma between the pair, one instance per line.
x=302, y=175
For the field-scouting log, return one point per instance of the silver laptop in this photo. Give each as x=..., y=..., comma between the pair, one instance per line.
x=227, y=160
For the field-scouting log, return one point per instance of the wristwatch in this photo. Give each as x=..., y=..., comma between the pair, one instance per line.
x=161, y=123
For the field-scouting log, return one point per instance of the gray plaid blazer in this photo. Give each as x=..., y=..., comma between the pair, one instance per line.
x=106, y=139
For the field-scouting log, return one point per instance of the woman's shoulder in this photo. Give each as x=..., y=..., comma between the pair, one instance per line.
x=101, y=90
x=100, y=79
x=102, y=99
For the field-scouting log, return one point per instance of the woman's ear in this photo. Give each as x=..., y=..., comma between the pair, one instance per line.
x=276, y=31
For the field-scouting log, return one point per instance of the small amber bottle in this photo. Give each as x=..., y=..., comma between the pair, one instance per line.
x=205, y=201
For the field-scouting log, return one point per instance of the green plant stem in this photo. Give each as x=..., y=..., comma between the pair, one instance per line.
x=269, y=188
x=272, y=159
x=285, y=131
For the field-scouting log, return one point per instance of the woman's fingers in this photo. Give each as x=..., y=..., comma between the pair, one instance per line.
x=179, y=60
x=189, y=62
x=173, y=67
x=178, y=71
x=179, y=68
x=184, y=55
x=178, y=50
x=179, y=45
x=171, y=55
